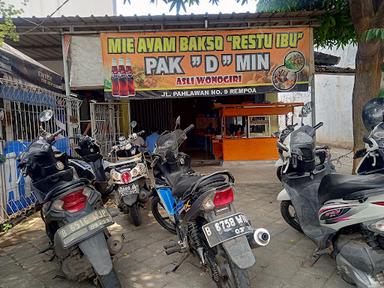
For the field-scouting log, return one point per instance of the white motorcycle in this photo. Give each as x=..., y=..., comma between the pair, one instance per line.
x=343, y=215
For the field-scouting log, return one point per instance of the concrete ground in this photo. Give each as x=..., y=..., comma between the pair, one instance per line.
x=143, y=264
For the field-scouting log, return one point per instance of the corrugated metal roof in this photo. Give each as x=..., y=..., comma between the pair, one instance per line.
x=40, y=38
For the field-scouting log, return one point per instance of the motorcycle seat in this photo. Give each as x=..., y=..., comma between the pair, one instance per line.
x=185, y=183
x=337, y=186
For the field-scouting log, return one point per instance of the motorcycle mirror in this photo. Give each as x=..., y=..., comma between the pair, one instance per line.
x=133, y=124
x=45, y=115
x=178, y=120
x=306, y=109
x=2, y=159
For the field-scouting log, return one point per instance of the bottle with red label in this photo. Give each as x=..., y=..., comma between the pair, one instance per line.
x=115, y=78
x=123, y=79
x=131, y=80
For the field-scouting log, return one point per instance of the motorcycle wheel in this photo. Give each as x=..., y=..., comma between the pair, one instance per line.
x=109, y=281
x=279, y=172
x=235, y=277
x=161, y=215
x=289, y=214
x=134, y=212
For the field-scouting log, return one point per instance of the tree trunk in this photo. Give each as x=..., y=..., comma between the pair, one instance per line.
x=369, y=59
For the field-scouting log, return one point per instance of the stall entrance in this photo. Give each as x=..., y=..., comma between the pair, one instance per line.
x=160, y=115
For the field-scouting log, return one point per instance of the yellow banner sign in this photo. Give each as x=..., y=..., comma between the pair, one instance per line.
x=206, y=63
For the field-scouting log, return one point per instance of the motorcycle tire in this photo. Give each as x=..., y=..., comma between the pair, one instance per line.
x=134, y=212
x=155, y=203
x=291, y=220
x=279, y=172
x=109, y=281
x=236, y=277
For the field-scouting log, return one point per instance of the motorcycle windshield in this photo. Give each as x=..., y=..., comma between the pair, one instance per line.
x=170, y=141
x=304, y=136
x=378, y=134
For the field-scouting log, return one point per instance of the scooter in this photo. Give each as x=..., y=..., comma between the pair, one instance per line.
x=75, y=220
x=204, y=216
x=342, y=214
x=129, y=176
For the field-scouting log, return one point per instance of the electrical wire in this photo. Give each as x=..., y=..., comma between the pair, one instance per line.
x=50, y=15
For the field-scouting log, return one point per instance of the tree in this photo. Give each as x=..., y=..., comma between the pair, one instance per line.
x=7, y=27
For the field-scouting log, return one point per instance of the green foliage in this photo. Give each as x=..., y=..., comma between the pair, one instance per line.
x=7, y=27
x=6, y=227
x=374, y=34
x=336, y=28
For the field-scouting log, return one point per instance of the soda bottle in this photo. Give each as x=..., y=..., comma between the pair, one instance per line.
x=131, y=80
x=123, y=79
x=115, y=78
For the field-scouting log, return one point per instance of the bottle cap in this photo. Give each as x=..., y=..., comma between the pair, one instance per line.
x=114, y=62
x=128, y=61
x=121, y=61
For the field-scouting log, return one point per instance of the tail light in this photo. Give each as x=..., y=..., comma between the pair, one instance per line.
x=218, y=199
x=223, y=197
x=74, y=201
x=126, y=177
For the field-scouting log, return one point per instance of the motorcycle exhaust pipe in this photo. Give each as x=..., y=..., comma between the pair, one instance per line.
x=259, y=238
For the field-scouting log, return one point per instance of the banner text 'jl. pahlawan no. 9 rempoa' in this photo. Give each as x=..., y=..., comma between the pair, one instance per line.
x=206, y=63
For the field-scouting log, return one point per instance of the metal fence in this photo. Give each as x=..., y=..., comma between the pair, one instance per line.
x=20, y=105
x=108, y=122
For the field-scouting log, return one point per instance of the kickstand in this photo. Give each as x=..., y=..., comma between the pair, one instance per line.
x=310, y=261
x=178, y=264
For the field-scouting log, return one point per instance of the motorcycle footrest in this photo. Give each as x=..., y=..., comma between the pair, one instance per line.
x=170, y=244
x=172, y=250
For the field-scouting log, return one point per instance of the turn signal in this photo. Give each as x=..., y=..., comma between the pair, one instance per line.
x=223, y=198
x=126, y=177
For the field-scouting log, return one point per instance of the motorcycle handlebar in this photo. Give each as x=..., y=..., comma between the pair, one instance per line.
x=52, y=137
x=318, y=125
x=282, y=146
x=189, y=128
x=140, y=133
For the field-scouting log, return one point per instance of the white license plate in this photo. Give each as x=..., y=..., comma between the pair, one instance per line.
x=227, y=228
x=86, y=225
x=126, y=190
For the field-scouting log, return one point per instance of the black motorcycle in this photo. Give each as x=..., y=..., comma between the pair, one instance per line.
x=203, y=214
x=92, y=166
x=75, y=220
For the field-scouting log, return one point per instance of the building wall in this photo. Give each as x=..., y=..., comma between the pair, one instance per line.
x=334, y=108
x=43, y=8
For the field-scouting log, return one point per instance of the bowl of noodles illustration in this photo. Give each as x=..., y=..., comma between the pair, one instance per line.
x=294, y=61
x=283, y=79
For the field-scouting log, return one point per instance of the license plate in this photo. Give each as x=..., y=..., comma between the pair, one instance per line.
x=226, y=229
x=85, y=226
x=126, y=190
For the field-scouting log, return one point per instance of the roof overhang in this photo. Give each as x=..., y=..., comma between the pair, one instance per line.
x=40, y=38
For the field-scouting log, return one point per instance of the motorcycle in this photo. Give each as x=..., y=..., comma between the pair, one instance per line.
x=342, y=214
x=299, y=162
x=203, y=214
x=75, y=220
x=129, y=176
x=92, y=166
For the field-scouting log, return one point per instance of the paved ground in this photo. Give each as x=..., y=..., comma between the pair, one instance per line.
x=142, y=263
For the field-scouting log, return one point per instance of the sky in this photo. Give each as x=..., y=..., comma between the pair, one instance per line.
x=144, y=7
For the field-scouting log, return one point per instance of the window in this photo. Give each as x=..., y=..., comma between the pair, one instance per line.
x=259, y=126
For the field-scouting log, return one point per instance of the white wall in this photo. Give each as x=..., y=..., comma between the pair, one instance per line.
x=334, y=108
x=43, y=8
x=347, y=55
